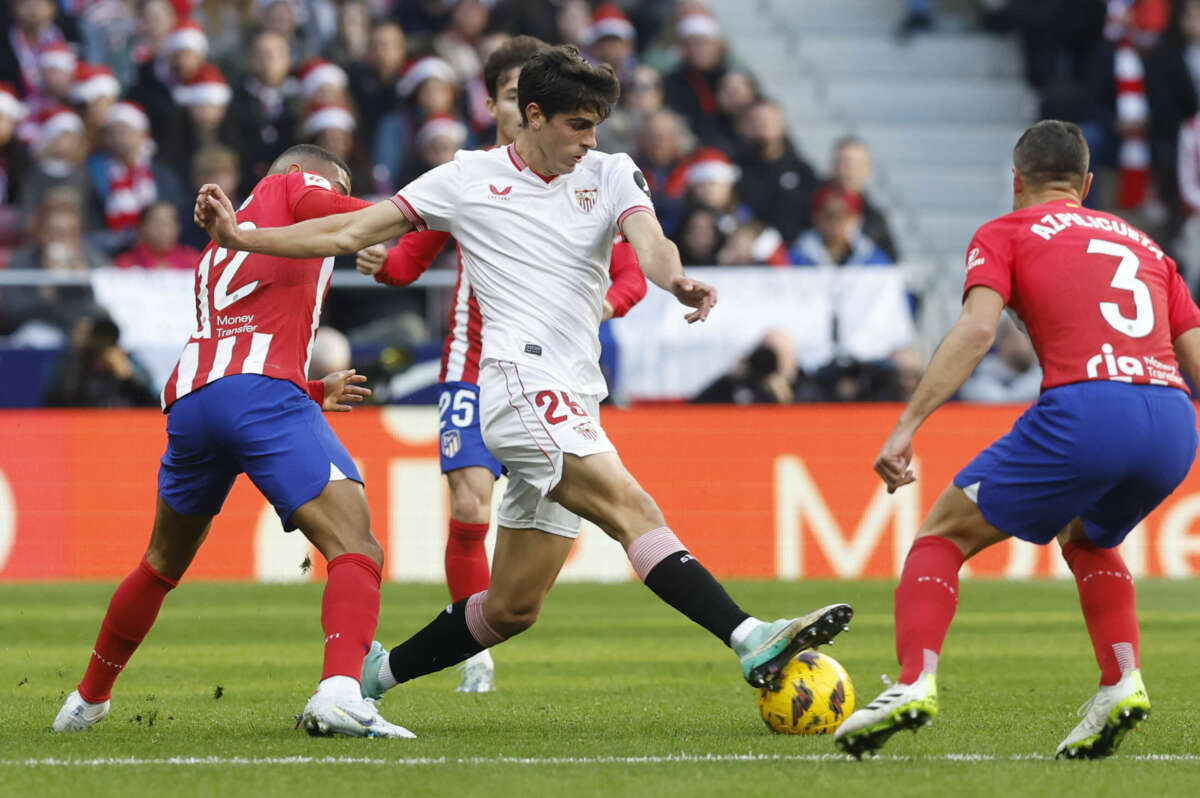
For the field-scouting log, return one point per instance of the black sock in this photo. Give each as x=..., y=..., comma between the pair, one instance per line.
x=685, y=584
x=444, y=642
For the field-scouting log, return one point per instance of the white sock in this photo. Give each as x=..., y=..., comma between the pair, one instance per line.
x=341, y=688
x=737, y=637
x=386, y=680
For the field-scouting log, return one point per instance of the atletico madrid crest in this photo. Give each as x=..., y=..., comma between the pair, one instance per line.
x=451, y=443
x=586, y=197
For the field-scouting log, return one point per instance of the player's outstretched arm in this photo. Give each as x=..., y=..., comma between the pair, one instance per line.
x=340, y=234
x=956, y=357
x=659, y=259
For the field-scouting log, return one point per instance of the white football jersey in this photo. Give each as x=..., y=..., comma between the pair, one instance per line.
x=536, y=251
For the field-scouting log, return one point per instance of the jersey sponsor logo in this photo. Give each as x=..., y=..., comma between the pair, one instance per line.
x=533, y=349
x=974, y=258
x=451, y=443
x=1123, y=368
x=500, y=193
x=639, y=180
x=586, y=197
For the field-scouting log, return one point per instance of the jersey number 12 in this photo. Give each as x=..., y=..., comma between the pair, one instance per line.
x=221, y=298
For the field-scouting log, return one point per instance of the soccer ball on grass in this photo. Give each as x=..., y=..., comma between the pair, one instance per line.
x=813, y=695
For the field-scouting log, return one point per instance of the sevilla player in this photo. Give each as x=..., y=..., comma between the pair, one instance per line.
x=470, y=468
x=238, y=401
x=535, y=223
x=1113, y=433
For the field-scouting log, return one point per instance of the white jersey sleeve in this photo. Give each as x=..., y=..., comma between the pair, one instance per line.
x=431, y=201
x=627, y=190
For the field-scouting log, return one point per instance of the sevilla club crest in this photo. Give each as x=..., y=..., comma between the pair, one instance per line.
x=586, y=197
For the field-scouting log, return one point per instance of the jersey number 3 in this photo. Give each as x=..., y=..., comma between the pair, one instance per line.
x=1125, y=279
x=221, y=297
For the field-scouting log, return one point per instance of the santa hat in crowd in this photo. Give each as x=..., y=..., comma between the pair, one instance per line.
x=188, y=35
x=10, y=104
x=58, y=56
x=93, y=82
x=129, y=113
x=207, y=87
x=325, y=117
x=830, y=192
x=54, y=122
x=710, y=165
x=317, y=72
x=422, y=70
x=441, y=125
x=609, y=20
x=698, y=23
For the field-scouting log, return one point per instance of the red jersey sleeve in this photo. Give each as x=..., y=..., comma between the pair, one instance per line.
x=411, y=256
x=311, y=196
x=990, y=259
x=1181, y=308
x=628, y=283
x=316, y=392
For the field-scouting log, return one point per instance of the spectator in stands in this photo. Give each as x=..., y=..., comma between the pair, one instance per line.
x=264, y=110
x=108, y=32
x=157, y=244
x=373, y=88
x=178, y=60
x=438, y=138
x=663, y=144
x=754, y=244
x=128, y=178
x=322, y=82
x=59, y=155
x=94, y=91
x=56, y=244
x=1009, y=373
x=1172, y=91
x=836, y=238
x=711, y=180
x=155, y=24
x=204, y=100
x=331, y=127
x=641, y=97
x=217, y=164
x=57, y=62
x=737, y=92
x=572, y=21
x=97, y=372
x=353, y=33
x=776, y=183
x=691, y=90
x=14, y=160
x=611, y=39
x=32, y=31
x=699, y=237
x=283, y=17
x=851, y=171
x=768, y=375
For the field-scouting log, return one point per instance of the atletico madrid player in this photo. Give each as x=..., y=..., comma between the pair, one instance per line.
x=238, y=401
x=1112, y=434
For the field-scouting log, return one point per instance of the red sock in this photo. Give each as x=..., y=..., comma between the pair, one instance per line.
x=1106, y=596
x=349, y=613
x=131, y=613
x=925, y=602
x=467, y=570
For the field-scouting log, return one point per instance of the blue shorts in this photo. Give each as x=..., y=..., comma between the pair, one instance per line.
x=1105, y=452
x=265, y=427
x=459, y=438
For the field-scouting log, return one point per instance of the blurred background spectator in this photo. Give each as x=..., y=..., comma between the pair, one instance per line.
x=1009, y=373
x=157, y=243
x=96, y=372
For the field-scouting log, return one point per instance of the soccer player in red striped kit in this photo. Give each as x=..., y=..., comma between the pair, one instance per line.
x=239, y=402
x=470, y=469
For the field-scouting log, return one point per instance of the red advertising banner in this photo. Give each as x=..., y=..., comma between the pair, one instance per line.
x=760, y=492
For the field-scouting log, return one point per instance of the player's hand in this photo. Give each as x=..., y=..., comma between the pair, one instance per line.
x=694, y=294
x=892, y=464
x=215, y=213
x=371, y=259
x=343, y=389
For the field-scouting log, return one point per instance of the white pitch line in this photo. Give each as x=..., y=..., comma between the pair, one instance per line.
x=189, y=761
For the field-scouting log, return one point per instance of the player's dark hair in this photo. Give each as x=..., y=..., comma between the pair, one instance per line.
x=512, y=54
x=299, y=152
x=1052, y=152
x=560, y=80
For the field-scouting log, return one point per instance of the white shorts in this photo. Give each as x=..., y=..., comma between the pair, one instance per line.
x=529, y=421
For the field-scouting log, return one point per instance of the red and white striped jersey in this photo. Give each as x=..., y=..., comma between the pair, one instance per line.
x=256, y=314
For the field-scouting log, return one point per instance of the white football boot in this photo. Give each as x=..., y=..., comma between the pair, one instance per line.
x=326, y=715
x=1108, y=716
x=901, y=706
x=78, y=715
x=478, y=674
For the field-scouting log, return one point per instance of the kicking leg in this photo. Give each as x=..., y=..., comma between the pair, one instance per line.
x=599, y=488
x=132, y=610
x=467, y=571
x=925, y=601
x=527, y=563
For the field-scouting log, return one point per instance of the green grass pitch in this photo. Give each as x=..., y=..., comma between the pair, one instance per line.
x=610, y=694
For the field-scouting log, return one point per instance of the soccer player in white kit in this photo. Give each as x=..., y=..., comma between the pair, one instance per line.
x=535, y=223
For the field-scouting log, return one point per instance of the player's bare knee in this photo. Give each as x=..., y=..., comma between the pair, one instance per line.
x=512, y=618
x=468, y=506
